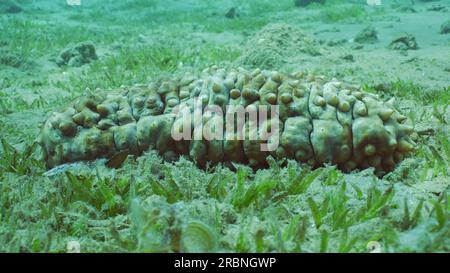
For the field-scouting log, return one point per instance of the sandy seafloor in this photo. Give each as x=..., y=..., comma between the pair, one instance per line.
x=137, y=40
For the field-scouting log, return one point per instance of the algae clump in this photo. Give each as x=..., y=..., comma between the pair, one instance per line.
x=78, y=55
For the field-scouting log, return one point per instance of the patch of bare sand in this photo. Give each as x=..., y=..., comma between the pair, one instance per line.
x=277, y=45
x=428, y=66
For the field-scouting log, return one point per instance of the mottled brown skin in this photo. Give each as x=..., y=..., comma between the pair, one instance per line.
x=320, y=121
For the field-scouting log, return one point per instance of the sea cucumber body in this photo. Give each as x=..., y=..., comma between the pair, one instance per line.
x=319, y=121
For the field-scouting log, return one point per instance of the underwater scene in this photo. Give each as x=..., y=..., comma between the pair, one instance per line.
x=256, y=126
